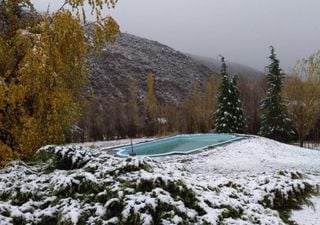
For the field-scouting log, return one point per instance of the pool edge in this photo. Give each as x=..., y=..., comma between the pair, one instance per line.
x=236, y=138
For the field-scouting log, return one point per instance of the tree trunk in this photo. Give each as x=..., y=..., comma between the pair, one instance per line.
x=301, y=143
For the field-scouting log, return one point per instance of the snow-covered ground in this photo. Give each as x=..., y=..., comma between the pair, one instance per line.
x=254, y=156
x=308, y=215
x=244, y=182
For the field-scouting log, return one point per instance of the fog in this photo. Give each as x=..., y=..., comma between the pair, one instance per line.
x=240, y=30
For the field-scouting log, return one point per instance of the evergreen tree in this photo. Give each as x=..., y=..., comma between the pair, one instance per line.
x=240, y=121
x=229, y=116
x=275, y=123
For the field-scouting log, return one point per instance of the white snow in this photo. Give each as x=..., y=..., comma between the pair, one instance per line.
x=240, y=176
x=249, y=156
x=256, y=156
x=309, y=215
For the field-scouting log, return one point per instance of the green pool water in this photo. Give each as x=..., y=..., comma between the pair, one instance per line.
x=180, y=144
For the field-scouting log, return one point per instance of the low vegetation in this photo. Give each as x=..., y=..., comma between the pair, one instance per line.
x=93, y=187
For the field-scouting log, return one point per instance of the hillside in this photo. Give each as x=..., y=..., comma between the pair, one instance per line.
x=132, y=56
x=235, y=68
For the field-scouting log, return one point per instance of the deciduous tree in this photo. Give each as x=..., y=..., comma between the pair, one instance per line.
x=150, y=107
x=132, y=110
x=210, y=99
x=193, y=112
x=302, y=89
x=42, y=71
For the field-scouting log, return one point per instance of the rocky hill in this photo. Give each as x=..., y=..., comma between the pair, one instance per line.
x=134, y=57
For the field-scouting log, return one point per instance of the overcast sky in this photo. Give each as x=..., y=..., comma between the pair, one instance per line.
x=240, y=30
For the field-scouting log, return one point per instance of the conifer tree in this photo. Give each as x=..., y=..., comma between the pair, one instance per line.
x=240, y=122
x=275, y=123
x=229, y=117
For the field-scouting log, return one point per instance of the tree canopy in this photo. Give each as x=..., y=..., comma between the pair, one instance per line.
x=302, y=89
x=150, y=107
x=43, y=70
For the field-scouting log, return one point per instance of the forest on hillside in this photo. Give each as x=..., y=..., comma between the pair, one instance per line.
x=106, y=119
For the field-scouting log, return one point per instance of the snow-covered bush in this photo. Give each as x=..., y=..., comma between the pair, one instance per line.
x=65, y=157
x=96, y=188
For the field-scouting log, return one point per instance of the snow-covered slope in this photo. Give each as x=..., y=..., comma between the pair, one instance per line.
x=256, y=156
x=252, y=155
x=246, y=182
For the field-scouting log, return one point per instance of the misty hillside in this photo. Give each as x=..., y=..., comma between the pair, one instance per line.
x=235, y=68
x=132, y=56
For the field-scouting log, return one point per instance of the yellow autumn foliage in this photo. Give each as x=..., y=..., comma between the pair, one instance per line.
x=150, y=107
x=43, y=71
x=302, y=91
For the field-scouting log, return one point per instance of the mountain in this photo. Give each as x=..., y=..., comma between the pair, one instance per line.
x=235, y=68
x=134, y=57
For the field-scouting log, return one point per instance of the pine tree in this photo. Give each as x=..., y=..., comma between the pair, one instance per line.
x=240, y=120
x=275, y=123
x=229, y=116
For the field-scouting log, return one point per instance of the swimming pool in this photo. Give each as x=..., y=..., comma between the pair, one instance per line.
x=180, y=144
